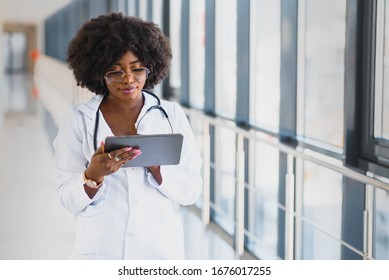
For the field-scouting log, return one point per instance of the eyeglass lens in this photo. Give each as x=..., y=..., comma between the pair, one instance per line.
x=117, y=77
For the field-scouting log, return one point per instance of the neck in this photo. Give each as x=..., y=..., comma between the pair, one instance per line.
x=123, y=105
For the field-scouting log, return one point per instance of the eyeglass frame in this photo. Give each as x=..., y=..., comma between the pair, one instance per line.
x=126, y=74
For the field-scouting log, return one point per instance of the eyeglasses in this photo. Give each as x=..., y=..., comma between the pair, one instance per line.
x=117, y=77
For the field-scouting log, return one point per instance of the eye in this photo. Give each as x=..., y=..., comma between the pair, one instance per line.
x=138, y=70
x=116, y=72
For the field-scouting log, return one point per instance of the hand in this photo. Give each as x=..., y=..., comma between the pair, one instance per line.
x=156, y=171
x=103, y=164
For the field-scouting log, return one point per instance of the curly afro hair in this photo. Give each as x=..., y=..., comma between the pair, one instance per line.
x=102, y=41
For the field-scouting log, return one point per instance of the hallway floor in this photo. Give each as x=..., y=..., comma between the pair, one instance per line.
x=32, y=221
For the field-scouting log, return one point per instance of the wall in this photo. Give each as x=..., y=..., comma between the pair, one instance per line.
x=1, y=69
x=57, y=87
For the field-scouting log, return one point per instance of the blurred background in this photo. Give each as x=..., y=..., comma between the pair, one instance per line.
x=288, y=100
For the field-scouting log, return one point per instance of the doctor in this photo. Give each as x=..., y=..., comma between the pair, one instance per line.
x=123, y=213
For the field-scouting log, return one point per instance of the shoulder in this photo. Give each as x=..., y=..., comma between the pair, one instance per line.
x=83, y=112
x=172, y=106
x=90, y=106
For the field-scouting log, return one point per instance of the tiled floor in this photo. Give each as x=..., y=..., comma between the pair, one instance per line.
x=33, y=224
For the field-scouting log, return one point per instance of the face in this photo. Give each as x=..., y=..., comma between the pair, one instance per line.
x=129, y=86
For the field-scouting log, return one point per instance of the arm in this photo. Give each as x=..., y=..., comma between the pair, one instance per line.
x=70, y=162
x=181, y=183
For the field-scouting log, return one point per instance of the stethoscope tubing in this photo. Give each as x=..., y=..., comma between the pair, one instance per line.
x=157, y=106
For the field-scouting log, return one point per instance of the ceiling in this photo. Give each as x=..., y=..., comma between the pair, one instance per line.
x=30, y=11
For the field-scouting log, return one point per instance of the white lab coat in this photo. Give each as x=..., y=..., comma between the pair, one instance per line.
x=131, y=216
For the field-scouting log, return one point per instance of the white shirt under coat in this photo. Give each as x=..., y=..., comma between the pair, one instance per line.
x=131, y=216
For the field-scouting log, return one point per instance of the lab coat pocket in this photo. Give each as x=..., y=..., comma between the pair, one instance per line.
x=166, y=212
x=88, y=229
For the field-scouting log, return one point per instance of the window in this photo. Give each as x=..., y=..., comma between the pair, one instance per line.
x=131, y=5
x=142, y=6
x=322, y=213
x=225, y=168
x=157, y=9
x=175, y=39
x=381, y=101
x=375, y=136
x=381, y=225
x=265, y=92
x=197, y=52
x=263, y=203
x=226, y=58
x=323, y=64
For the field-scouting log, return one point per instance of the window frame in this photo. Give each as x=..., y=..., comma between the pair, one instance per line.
x=374, y=152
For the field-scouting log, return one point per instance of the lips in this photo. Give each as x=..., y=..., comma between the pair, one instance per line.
x=128, y=90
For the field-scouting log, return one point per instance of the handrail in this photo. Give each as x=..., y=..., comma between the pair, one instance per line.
x=298, y=152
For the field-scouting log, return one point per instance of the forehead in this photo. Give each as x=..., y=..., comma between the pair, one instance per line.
x=127, y=59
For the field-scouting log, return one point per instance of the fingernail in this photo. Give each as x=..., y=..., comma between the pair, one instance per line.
x=128, y=149
x=102, y=143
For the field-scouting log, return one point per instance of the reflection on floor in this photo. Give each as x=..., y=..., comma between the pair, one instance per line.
x=33, y=223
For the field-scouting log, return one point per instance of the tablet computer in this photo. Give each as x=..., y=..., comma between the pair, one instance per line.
x=157, y=149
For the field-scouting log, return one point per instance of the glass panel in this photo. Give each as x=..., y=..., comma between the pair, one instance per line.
x=322, y=206
x=175, y=42
x=131, y=8
x=319, y=246
x=225, y=179
x=263, y=206
x=381, y=225
x=324, y=70
x=197, y=53
x=198, y=132
x=157, y=12
x=226, y=57
x=142, y=9
x=265, y=109
x=382, y=103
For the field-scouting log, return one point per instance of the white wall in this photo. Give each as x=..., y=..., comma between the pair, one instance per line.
x=1, y=69
x=57, y=87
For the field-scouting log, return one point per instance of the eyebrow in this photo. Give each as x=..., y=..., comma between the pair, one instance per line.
x=132, y=62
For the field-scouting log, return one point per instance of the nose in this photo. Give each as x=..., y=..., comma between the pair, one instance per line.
x=128, y=78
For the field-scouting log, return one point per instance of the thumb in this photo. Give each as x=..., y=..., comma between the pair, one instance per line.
x=100, y=150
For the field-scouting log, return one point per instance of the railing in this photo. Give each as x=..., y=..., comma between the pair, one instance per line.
x=293, y=155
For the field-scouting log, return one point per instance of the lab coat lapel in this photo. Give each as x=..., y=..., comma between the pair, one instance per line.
x=89, y=109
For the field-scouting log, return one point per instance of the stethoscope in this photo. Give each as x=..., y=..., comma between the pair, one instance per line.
x=157, y=106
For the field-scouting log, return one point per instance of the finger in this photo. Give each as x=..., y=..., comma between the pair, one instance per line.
x=100, y=150
x=121, y=151
x=130, y=154
x=135, y=154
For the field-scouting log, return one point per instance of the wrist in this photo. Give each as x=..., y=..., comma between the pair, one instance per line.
x=88, y=174
x=92, y=182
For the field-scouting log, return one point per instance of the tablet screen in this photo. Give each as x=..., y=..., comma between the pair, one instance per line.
x=157, y=149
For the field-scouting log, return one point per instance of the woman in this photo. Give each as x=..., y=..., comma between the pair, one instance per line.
x=123, y=213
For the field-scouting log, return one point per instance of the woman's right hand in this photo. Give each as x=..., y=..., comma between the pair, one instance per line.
x=103, y=164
